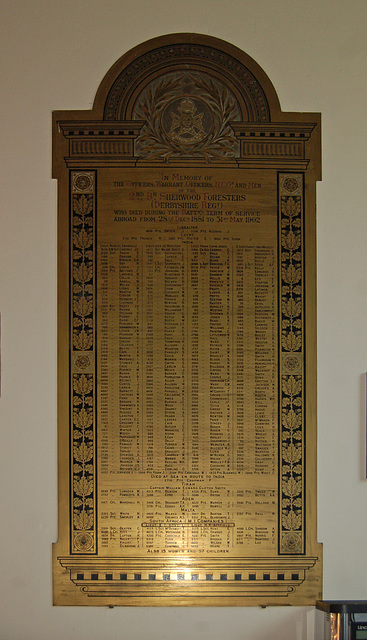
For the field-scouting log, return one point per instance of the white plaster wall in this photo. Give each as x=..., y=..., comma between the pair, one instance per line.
x=54, y=55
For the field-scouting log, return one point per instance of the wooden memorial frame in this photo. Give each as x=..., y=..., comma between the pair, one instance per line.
x=187, y=336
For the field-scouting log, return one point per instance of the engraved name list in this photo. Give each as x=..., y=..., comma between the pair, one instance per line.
x=187, y=360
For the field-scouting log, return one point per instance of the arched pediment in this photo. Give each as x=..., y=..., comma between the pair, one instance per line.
x=186, y=91
x=188, y=98
x=179, y=54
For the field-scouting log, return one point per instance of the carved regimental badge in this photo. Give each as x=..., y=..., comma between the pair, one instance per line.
x=187, y=115
x=187, y=127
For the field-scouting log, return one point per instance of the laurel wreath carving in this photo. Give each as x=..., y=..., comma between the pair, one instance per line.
x=153, y=142
x=292, y=524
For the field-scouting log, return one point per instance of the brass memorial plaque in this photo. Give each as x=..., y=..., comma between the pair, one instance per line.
x=187, y=366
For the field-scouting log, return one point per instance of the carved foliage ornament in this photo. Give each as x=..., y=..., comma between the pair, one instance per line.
x=186, y=115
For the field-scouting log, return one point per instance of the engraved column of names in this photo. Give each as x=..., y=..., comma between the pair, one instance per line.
x=193, y=449
x=129, y=358
x=120, y=358
x=219, y=357
x=239, y=321
x=264, y=361
x=150, y=448
x=174, y=358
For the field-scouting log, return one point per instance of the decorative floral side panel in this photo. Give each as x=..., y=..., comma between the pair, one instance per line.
x=82, y=363
x=291, y=437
